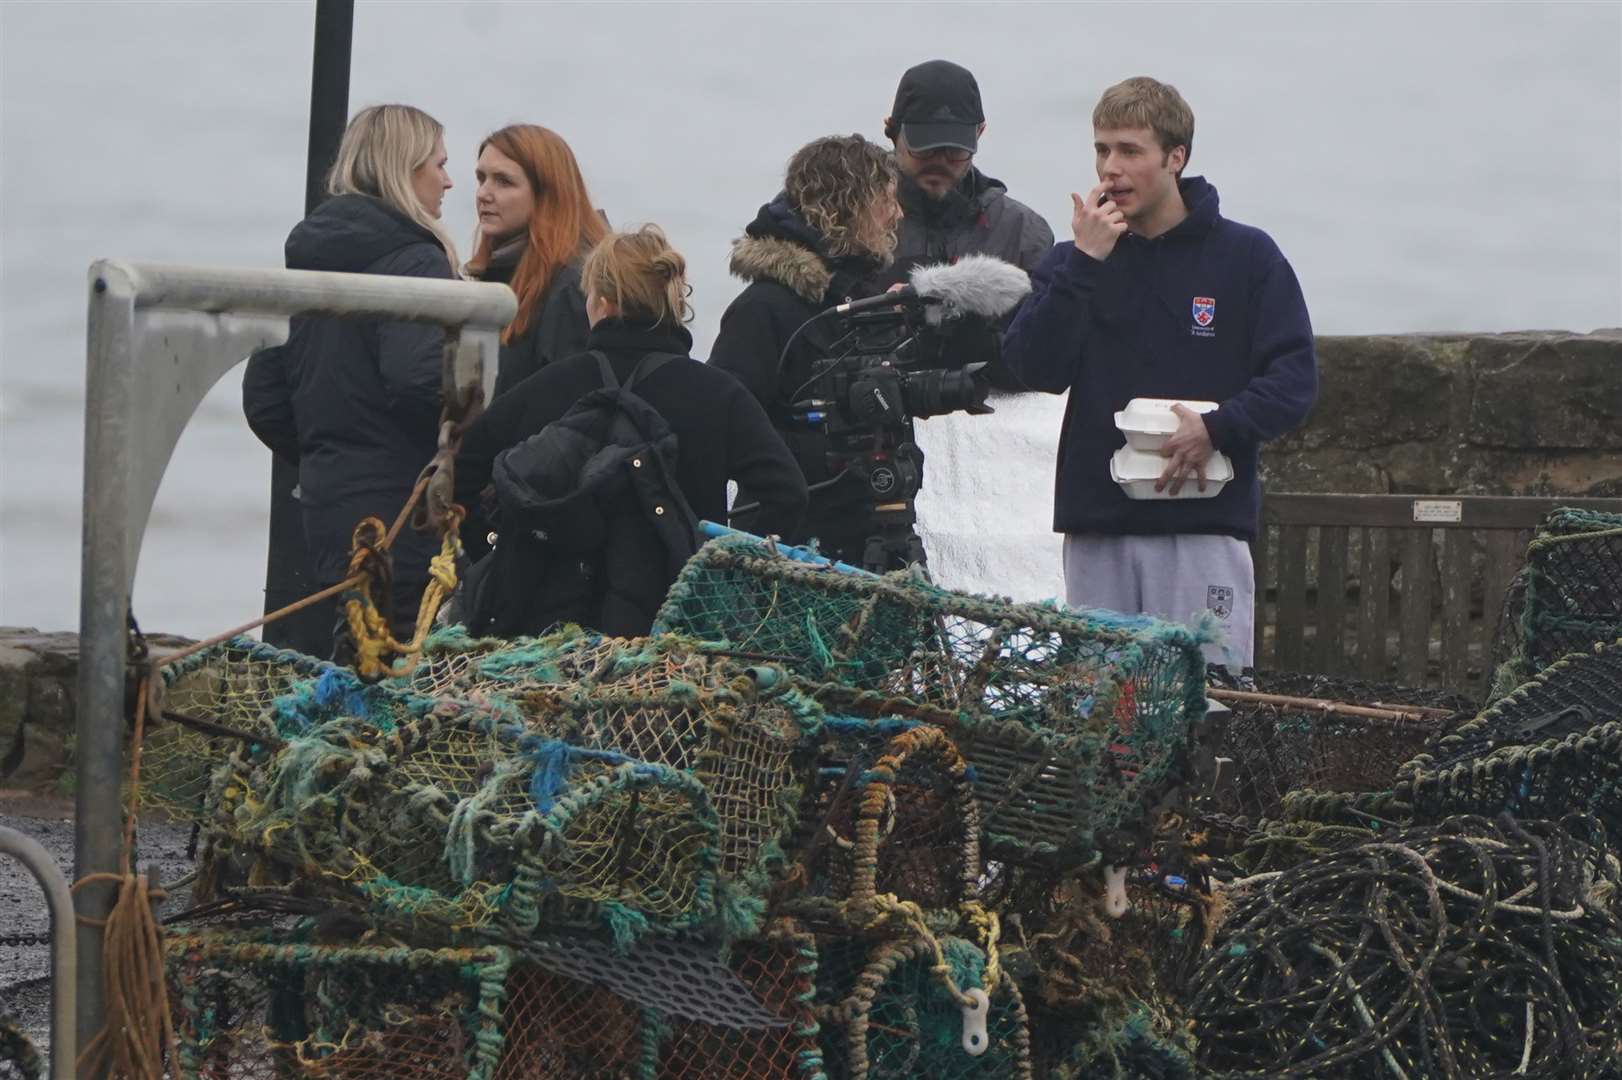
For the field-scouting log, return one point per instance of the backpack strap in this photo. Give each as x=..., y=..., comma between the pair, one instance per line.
x=610, y=380
x=649, y=364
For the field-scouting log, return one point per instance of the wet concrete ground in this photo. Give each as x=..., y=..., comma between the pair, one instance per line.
x=25, y=989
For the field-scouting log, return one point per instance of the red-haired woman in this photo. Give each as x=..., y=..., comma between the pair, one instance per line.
x=536, y=223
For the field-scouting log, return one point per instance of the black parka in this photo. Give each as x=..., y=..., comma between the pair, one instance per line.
x=355, y=403
x=557, y=327
x=791, y=278
x=721, y=434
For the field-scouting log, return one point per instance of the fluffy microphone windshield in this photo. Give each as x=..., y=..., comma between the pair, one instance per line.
x=975, y=285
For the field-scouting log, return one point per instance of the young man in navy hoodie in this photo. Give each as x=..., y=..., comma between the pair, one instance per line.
x=1158, y=295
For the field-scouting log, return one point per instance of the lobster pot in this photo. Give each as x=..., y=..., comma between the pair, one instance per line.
x=245, y=1007
x=233, y=686
x=900, y=1019
x=900, y=636
x=1573, y=586
x=466, y=821
x=1271, y=749
x=892, y=815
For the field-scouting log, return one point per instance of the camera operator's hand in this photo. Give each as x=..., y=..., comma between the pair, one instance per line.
x=1188, y=449
x=1096, y=226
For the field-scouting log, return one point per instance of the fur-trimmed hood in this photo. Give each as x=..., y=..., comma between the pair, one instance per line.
x=768, y=258
x=780, y=246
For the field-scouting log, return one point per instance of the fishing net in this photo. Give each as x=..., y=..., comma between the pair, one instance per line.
x=1268, y=749
x=778, y=1038
x=904, y=1015
x=1103, y=989
x=903, y=637
x=1573, y=586
x=246, y=1008
x=214, y=701
x=890, y=821
x=558, y=1028
x=1076, y=725
x=739, y=730
x=464, y=820
x=1471, y=948
x=19, y=1059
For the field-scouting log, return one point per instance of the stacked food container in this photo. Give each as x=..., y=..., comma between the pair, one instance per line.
x=1147, y=423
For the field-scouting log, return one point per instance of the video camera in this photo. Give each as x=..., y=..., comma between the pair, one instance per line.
x=896, y=357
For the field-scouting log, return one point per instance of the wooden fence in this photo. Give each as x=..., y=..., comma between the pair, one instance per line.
x=1391, y=587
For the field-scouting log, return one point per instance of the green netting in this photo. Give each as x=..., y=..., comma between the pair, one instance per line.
x=900, y=635
x=230, y=688
x=1573, y=587
x=1269, y=749
x=899, y=1018
x=1076, y=724
x=247, y=1007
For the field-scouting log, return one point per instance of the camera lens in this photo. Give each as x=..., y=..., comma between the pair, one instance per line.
x=936, y=392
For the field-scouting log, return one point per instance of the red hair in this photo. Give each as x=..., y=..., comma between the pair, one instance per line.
x=563, y=226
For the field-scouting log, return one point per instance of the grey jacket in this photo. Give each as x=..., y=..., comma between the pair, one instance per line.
x=978, y=218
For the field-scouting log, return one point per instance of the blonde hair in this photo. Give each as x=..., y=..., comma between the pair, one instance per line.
x=382, y=147
x=644, y=277
x=834, y=183
x=1142, y=102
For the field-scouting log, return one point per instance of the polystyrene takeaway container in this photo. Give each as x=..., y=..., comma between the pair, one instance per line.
x=1137, y=470
x=1148, y=422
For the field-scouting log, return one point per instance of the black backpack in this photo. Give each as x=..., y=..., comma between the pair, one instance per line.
x=592, y=528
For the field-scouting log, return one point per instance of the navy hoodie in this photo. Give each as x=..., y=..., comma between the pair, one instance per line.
x=1209, y=310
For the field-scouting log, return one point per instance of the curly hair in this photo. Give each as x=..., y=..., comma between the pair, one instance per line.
x=834, y=182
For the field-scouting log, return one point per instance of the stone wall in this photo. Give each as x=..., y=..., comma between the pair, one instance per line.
x=1503, y=414
x=39, y=675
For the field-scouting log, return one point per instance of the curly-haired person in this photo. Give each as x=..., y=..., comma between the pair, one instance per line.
x=821, y=241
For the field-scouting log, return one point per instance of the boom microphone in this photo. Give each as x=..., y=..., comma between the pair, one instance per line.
x=974, y=285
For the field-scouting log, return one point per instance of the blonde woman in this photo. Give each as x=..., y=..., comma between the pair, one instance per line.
x=356, y=404
x=608, y=556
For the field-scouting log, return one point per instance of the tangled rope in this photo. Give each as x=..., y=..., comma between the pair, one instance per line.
x=1469, y=949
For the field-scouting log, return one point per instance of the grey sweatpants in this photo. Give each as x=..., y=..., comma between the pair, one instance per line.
x=1170, y=577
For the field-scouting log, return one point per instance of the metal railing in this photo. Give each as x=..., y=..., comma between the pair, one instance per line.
x=159, y=338
x=59, y=900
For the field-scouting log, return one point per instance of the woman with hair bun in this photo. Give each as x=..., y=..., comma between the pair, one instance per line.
x=636, y=298
x=356, y=404
x=536, y=223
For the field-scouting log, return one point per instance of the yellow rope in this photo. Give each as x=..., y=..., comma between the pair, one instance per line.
x=370, y=631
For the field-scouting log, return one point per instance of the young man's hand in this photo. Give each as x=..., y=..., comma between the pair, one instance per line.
x=1096, y=227
x=1187, y=451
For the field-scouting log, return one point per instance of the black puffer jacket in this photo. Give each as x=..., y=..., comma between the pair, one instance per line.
x=557, y=327
x=791, y=278
x=721, y=434
x=355, y=403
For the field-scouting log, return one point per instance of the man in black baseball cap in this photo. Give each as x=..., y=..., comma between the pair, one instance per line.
x=952, y=208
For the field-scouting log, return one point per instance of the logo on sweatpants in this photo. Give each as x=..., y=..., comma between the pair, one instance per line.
x=1219, y=598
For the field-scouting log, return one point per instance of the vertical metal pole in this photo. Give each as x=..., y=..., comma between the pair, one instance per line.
x=289, y=575
x=103, y=615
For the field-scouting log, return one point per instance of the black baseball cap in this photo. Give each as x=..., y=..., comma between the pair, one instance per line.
x=938, y=104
